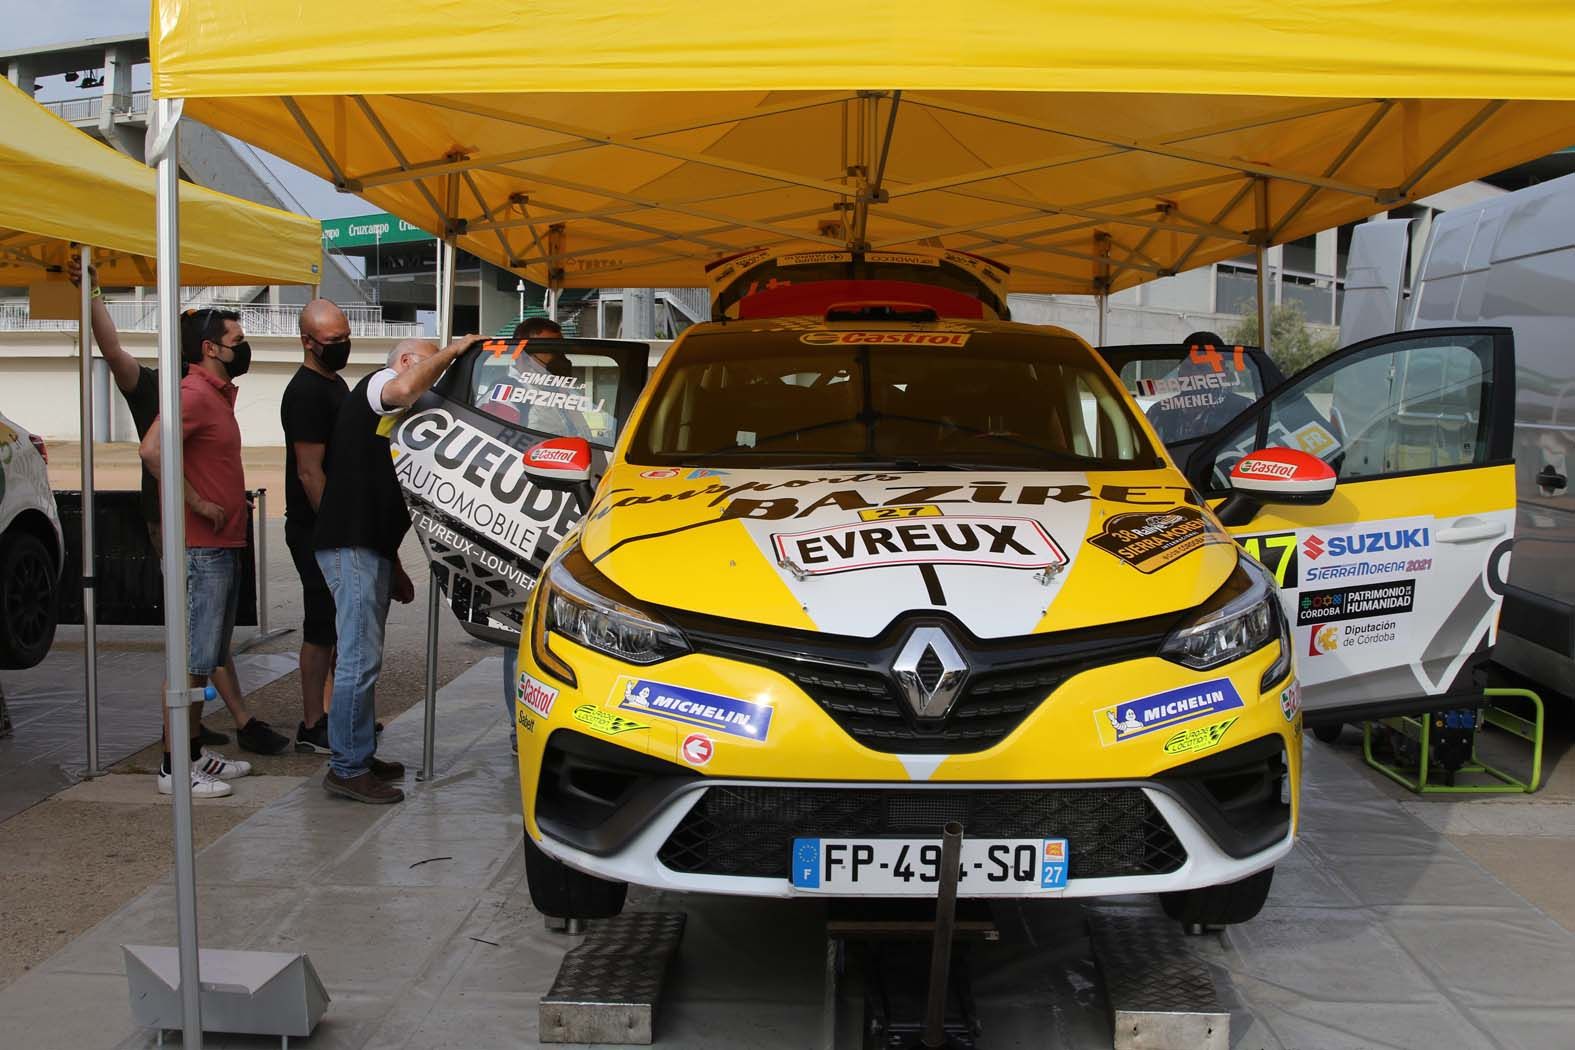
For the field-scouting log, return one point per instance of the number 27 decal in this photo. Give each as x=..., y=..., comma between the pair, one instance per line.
x=1277, y=551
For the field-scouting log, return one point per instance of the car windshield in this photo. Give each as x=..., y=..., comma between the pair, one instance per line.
x=903, y=398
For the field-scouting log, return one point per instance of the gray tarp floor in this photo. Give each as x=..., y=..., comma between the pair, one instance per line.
x=47, y=702
x=1379, y=933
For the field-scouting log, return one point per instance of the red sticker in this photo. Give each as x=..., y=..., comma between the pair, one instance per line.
x=697, y=749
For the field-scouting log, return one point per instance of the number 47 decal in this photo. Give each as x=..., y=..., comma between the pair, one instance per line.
x=1277, y=551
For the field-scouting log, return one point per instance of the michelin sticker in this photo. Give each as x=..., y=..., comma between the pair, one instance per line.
x=1151, y=540
x=1004, y=543
x=1150, y=714
x=724, y=714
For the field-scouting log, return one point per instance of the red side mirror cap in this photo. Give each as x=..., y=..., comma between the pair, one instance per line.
x=1283, y=475
x=559, y=460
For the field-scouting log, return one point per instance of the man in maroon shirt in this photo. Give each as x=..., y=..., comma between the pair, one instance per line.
x=216, y=353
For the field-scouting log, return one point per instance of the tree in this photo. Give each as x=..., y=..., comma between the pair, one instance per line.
x=1295, y=344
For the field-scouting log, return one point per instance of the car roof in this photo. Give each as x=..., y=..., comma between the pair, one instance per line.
x=775, y=325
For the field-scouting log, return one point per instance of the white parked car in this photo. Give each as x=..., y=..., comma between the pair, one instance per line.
x=31, y=550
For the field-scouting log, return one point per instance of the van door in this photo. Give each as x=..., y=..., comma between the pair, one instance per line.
x=1394, y=583
x=485, y=528
x=1189, y=393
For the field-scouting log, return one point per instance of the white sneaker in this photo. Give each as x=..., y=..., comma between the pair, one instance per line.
x=202, y=785
x=220, y=768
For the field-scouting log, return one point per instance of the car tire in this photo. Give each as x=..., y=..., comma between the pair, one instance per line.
x=29, y=601
x=1227, y=905
x=1328, y=734
x=561, y=892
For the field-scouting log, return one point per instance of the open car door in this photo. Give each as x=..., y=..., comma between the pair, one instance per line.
x=1392, y=576
x=485, y=526
x=1189, y=393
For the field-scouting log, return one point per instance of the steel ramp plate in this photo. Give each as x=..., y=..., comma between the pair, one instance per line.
x=1161, y=996
x=606, y=989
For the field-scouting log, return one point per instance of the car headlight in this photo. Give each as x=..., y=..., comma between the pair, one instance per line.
x=1240, y=618
x=576, y=601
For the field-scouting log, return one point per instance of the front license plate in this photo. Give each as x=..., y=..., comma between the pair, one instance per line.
x=912, y=867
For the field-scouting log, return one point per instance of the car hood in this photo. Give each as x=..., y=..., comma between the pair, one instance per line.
x=1006, y=554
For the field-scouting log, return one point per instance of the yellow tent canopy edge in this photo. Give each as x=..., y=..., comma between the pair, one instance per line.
x=59, y=186
x=1439, y=49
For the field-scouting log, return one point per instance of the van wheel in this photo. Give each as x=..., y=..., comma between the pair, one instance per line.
x=29, y=601
x=562, y=892
x=1224, y=905
x=1328, y=734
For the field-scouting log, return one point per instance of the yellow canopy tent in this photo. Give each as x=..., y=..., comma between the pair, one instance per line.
x=59, y=187
x=1089, y=149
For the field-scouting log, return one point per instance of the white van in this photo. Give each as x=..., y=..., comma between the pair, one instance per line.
x=31, y=550
x=1511, y=262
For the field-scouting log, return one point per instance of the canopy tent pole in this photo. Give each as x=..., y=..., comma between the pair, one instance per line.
x=1260, y=251
x=178, y=696
x=447, y=258
x=1104, y=313
x=89, y=561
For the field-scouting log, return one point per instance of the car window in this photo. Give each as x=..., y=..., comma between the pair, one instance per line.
x=1411, y=405
x=549, y=392
x=1192, y=395
x=767, y=398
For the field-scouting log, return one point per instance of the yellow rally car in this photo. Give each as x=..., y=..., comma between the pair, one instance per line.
x=847, y=578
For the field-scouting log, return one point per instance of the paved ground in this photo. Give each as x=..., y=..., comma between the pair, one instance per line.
x=109, y=850
x=1379, y=931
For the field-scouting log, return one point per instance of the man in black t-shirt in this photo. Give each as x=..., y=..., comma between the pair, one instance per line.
x=360, y=523
x=139, y=385
x=307, y=411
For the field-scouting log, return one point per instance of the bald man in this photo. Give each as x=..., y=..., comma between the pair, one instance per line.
x=307, y=411
x=360, y=523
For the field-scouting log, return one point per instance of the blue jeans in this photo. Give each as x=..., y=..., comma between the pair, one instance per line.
x=213, y=592
x=360, y=580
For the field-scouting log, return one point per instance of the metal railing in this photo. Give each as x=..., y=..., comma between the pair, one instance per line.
x=1320, y=295
x=134, y=315
x=87, y=109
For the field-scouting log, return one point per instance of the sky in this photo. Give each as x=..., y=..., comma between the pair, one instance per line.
x=29, y=23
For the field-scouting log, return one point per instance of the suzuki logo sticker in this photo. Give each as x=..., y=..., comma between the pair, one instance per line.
x=930, y=672
x=1313, y=547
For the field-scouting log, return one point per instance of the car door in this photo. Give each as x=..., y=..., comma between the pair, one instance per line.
x=485, y=527
x=1189, y=393
x=1394, y=583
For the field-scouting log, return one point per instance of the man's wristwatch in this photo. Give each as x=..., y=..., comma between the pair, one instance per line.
x=96, y=292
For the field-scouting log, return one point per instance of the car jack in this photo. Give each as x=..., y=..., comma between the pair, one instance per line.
x=912, y=1000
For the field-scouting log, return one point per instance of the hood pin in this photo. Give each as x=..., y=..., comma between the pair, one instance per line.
x=794, y=567
x=1047, y=575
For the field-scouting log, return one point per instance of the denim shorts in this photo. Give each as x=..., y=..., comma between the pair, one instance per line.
x=213, y=593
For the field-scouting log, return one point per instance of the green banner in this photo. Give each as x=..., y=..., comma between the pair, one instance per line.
x=364, y=231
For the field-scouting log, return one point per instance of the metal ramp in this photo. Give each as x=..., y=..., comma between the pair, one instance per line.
x=1160, y=996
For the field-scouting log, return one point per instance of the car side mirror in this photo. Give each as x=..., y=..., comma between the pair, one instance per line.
x=1283, y=475
x=559, y=463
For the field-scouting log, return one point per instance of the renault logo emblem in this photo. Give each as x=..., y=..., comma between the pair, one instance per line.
x=930, y=672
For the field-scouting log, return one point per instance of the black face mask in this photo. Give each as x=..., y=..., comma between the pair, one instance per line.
x=334, y=355
x=241, y=363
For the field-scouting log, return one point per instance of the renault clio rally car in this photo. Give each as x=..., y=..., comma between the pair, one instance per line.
x=836, y=579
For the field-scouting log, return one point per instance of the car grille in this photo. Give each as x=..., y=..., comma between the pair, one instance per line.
x=750, y=830
x=849, y=677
